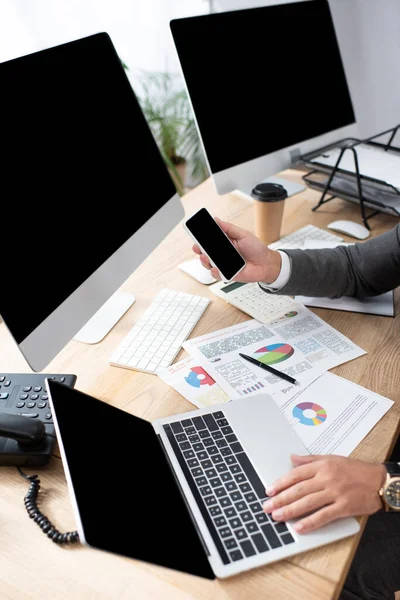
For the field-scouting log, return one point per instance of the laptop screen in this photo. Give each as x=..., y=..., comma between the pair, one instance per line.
x=125, y=492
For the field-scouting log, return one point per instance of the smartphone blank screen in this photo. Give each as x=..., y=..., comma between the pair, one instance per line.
x=215, y=243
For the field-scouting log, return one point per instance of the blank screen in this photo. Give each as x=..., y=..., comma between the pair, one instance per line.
x=262, y=79
x=80, y=173
x=215, y=243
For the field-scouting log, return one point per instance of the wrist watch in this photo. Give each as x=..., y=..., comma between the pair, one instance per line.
x=390, y=491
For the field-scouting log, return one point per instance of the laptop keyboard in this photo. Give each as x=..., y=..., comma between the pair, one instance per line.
x=226, y=487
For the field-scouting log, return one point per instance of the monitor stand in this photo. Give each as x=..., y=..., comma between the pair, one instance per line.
x=105, y=318
x=291, y=187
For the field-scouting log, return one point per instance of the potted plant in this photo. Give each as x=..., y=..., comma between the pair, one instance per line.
x=167, y=110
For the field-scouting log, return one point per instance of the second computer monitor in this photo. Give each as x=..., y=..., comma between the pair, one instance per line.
x=266, y=84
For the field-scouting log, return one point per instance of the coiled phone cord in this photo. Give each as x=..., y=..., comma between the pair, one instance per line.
x=33, y=511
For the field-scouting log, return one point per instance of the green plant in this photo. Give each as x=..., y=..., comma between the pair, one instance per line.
x=167, y=110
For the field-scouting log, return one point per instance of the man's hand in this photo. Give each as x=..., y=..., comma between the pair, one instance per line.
x=262, y=265
x=325, y=488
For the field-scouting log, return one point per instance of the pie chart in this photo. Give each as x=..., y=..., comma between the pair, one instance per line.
x=275, y=353
x=316, y=415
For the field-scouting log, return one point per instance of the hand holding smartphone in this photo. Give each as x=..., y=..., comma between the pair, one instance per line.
x=213, y=242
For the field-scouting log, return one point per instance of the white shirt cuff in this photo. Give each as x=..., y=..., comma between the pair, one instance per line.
x=283, y=276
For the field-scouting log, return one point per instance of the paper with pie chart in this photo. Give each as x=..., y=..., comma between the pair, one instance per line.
x=194, y=383
x=331, y=415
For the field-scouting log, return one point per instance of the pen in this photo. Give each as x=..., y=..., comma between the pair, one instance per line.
x=268, y=368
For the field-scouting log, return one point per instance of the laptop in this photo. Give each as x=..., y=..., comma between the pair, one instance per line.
x=184, y=492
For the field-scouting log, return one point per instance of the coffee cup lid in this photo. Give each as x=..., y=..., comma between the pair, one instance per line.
x=269, y=192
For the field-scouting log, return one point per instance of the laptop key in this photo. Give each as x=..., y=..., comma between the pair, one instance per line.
x=219, y=415
x=231, y=438
x=221, y=468
x=248, y=548
x=259, y=542
x=210, y=422
x=204, y=434
x=271, y=536
x=220, y=521
x=216, y=482
x=217, y=459
x=280, y=527
x=226, y=430
x=217, y=435
x=206, y=464
x=236, y=447
x=199, y=423
x=225, y=532
x=215, y=511
x=201, y=481
x=287, y=538
x=176, y=427
x=245, y=487
x=261, y=518
x=246, y=516
x=226, y=476
x=235, y=523
x=226, y=451
x=212, y=450
x=256, y=507
x=186, y=423
x=240, y=477
x=208, y=442
x=225, y=502
x=193, y=439
x=188, y=454
x=206, y=490
x=211, y=473
x=197, y=472
x=219, y=492
x=236, y=555
x=185, y=446
x=209, y=500
x=252, y=527
x=231, y=543
x=241, y=534
x=230, y=512
x=198, y=447
x=252, y=475
x=222, y=422
x=231, y=486
x=231, y=460
x=240, y=506
x=181, y=437
x=193, y=463
x=251, y=497
x=190, y=431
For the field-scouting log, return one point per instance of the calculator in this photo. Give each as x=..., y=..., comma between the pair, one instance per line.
x=252, y=300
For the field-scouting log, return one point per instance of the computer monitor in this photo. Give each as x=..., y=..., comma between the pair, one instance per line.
x=85, y=193
x=266, y=85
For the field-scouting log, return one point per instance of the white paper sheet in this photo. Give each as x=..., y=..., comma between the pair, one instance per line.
x=193, y=382
x=301, y=345
x=331, y=415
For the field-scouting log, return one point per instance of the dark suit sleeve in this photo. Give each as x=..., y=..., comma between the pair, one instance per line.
x=363, y=269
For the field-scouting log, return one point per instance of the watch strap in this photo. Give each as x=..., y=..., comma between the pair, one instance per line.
x=393, y=468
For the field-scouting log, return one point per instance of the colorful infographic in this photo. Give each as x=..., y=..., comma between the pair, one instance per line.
x=309, y=413
x=292, y=313
x=198, y=376
x=275, y=353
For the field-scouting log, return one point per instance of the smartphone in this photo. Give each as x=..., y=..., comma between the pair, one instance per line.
x=213, y=242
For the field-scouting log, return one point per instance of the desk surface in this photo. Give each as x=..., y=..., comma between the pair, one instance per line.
x=33, y=567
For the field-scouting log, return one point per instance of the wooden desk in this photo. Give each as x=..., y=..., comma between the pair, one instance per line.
x=33, y=567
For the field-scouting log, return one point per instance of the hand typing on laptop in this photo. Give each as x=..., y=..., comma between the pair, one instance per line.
x=327, y=487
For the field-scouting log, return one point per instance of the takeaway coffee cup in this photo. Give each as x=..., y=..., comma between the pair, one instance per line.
x=268, y=210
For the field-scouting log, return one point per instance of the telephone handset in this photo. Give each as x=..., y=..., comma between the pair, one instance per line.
x=27, y=437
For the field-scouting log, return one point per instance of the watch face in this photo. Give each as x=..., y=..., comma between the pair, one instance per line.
x=392, y=493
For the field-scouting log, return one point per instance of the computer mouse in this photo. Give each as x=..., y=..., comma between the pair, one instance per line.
x=350, y=228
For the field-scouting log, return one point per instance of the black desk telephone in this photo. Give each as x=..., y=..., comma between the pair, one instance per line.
x=27, y=435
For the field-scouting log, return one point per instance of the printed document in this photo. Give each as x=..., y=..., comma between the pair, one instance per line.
x=331, y=415
x=299, y=344
x=193, y=382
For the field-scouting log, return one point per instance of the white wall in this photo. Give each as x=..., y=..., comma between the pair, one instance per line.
x=139, y=29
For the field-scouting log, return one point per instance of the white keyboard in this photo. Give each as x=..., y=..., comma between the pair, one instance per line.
x=297, y=238
x=157, y=337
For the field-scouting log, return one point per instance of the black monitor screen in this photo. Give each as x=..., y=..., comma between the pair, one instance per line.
x=262, y=79
x=80, y=173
